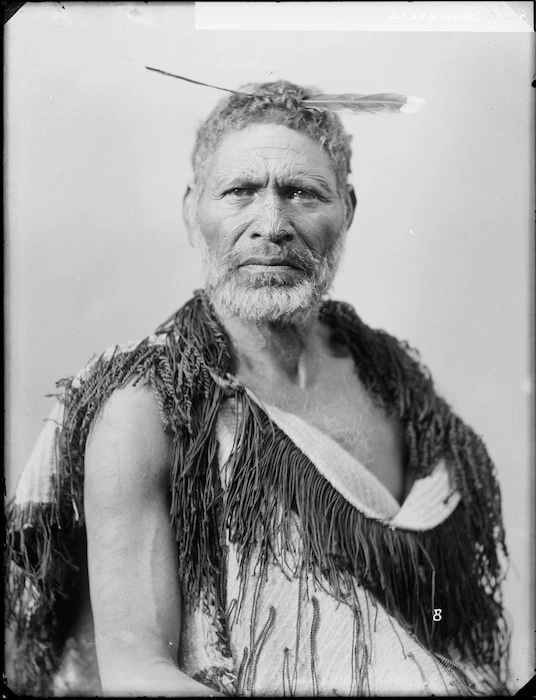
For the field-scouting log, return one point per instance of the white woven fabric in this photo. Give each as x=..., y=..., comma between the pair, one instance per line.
x=306, y=658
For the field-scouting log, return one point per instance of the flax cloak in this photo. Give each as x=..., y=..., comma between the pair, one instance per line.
x=457, y=565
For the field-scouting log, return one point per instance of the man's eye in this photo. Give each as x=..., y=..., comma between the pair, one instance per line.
x=241, y=192
x=301, y=195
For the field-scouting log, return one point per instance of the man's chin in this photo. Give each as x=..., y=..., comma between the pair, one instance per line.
x=261, y=276
x=275, y=304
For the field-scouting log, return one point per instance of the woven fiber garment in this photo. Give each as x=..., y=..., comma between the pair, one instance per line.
x=276, y=512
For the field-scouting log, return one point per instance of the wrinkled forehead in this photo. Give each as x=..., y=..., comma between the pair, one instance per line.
x=270, y=149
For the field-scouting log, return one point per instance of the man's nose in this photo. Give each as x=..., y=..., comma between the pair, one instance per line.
x=271, y=221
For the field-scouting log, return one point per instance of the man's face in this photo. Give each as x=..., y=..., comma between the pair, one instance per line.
x=271, y=222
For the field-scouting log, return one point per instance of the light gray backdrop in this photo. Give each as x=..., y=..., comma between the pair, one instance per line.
x=98, y=158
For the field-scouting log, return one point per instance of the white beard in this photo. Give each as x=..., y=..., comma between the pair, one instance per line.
x=268, y=297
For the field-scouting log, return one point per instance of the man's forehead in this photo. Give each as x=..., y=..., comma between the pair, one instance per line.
x=271, y=146
x=272, y=139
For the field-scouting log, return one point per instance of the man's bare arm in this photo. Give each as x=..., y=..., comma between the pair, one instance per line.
x=132, y=557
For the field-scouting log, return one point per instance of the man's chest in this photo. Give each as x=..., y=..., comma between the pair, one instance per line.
x=339, y=406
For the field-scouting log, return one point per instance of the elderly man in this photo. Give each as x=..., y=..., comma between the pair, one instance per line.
x=274, y=499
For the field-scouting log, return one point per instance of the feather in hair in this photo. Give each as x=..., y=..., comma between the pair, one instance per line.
x=382, y=103
x=196, y=82
x=386, y=103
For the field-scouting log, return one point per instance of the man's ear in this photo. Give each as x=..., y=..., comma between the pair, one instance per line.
x=188, y=211
x=351, y=205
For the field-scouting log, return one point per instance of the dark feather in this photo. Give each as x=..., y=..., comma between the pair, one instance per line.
x=189, y=80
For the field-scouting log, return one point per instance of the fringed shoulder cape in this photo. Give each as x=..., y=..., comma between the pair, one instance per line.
x=455, y=566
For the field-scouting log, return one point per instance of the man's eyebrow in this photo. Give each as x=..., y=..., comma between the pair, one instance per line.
x=306, y=178
x=303, y=179
x=316, y=177
x=238, y=176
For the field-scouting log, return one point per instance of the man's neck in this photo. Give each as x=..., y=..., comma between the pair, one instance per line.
x=278, y=353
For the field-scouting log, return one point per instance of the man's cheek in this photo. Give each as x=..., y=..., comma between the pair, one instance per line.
x=217, y=233
x=319, y=230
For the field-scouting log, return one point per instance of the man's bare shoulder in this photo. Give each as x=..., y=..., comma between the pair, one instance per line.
x=127, y=445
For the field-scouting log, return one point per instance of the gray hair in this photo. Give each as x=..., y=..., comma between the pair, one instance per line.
x=281, y=103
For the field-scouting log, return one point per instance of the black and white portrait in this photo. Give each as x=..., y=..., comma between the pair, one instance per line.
x=269, y=371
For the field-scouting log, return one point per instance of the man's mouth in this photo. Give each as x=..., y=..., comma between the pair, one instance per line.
x=282, y=263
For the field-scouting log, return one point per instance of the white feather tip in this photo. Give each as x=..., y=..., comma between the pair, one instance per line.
x=413, y=104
